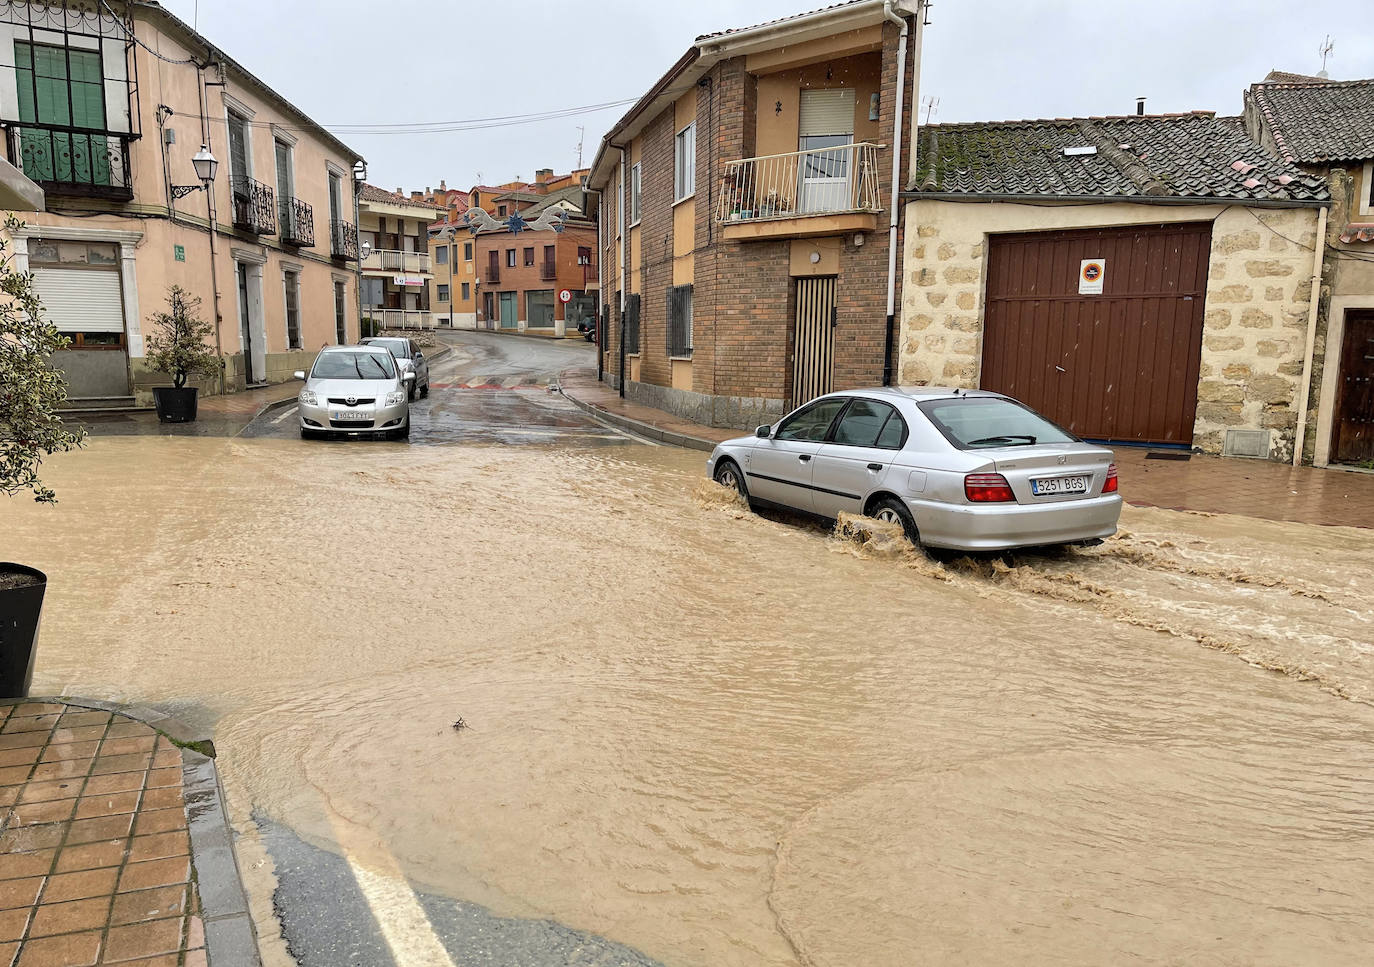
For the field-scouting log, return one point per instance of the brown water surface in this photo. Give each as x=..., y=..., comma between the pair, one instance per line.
x=728, y=740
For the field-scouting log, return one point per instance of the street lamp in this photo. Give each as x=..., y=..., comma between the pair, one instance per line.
x=447, y=235
x=206, y=165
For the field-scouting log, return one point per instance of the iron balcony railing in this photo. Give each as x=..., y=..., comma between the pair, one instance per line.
x=394, y=259
x=297, y=222
x=590, y=273
x=548, y=271
x=69, y=161
x=343, y=239
x=255, y=209
x=822, y=181
x=493, y=274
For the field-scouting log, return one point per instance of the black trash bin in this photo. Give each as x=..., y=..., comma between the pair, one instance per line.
x=21, y=604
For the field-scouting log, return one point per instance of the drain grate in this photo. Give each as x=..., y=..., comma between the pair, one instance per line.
x=1168, y=455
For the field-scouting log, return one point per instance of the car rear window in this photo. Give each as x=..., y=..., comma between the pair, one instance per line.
x=353, y=365
x=400, y=348
x=985, y=422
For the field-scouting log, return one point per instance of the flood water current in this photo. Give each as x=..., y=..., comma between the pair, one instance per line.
x=724, y=739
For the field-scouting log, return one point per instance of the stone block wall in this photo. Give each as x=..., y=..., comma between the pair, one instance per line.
x=1255, y=324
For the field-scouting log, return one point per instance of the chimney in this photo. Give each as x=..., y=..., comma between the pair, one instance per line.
x=401, y=192
x=442, y=186
x=429, y=190
x=415, y=196
x=1139, y=106
x=543, y=176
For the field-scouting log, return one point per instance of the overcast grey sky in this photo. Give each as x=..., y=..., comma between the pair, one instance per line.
x=360, y=61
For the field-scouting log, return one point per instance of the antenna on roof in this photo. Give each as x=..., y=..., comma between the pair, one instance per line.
x=1325, y=50
x=932, y=106
x=581, y=136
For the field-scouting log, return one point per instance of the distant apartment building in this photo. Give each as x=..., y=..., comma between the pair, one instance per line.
x=398, y=267
x=109, y=131
x=750, y=224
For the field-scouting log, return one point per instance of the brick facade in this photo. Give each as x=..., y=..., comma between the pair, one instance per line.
x=744, y=291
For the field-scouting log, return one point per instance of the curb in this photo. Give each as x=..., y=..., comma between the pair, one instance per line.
x=573, y=336
x=230, y=937
x=639, y=427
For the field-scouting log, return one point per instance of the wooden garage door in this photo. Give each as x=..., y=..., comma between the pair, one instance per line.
x=1119, y=365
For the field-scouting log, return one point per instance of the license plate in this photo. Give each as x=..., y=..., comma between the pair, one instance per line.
x=1047, y=486
x=350, y=415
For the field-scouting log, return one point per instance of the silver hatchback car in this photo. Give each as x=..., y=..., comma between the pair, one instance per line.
x=409, y=356
x=355, y=389
x=965, y=470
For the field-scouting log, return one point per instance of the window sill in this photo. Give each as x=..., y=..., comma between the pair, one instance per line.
x=632, y=355
x=690, y=197
x=681, y=359
x=635, y=224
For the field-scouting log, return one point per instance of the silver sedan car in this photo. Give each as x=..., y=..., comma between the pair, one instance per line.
x=355, y=389
x=965, y=470
x=409, y=356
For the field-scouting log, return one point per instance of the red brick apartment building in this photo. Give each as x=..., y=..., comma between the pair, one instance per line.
x=747, y=215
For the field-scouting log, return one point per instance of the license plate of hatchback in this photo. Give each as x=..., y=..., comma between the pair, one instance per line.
x=1049, y=486
x=350, y=415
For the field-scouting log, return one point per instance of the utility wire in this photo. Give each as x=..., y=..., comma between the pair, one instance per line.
x=162, y=57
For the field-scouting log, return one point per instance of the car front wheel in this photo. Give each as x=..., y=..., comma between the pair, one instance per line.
x=894, y=511
x=728, y=474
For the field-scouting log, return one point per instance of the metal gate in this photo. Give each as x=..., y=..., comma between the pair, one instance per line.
x=1100, y=329
x=813, y=348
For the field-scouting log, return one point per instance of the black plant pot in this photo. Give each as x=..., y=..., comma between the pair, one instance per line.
x=175, y=405
x=21, y=604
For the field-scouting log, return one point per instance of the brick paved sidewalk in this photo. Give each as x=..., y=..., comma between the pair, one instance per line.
x=95, y=848
x=1217, y=485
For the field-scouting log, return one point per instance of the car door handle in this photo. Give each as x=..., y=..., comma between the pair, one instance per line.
x=875, y=466
x=803, y=457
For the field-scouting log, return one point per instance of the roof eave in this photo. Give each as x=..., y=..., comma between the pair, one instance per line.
x=1011, y=197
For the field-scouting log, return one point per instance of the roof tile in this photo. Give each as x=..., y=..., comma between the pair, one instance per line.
x=1318, y=121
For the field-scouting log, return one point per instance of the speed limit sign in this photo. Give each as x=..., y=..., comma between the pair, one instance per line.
x=564, y=296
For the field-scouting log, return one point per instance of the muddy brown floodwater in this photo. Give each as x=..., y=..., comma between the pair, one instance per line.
x=728, y=740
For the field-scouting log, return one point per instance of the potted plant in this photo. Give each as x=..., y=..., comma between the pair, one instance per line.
x=177, y=347
x=31, y=393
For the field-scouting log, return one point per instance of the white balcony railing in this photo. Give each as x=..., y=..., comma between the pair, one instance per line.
x=401, y=318
x=822, y=181
x=390, y=260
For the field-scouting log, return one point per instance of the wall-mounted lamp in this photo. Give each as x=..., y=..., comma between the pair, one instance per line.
x=206, y=165
x=858, y=239
x=815, y=258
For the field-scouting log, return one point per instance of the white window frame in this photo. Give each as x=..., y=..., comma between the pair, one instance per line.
x=685, y=163
x=467, y=251
x=1367, y=189
x=440, y=294
x=441, y=255
x=287, y=272
x=636, y=186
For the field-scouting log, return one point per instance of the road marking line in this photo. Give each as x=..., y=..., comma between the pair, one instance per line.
x=402, y=920
x=287, y=413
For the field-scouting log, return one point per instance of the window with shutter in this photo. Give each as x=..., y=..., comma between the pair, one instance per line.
x=632, y=324
x=61, y=87
x=685, y=163
x=680, y=320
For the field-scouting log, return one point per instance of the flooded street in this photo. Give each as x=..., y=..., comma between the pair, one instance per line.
x=718, y=738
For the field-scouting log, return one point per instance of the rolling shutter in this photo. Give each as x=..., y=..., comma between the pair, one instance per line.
x=81, y=300
x=826, y=112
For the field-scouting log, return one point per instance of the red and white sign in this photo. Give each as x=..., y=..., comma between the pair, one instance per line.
x=407, y=280
x=1092, y=274
x=564, y=296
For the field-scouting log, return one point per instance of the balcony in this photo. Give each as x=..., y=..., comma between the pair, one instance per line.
x=68, y=161
x=492, y=276
x=548, y=271
x=254, y=207
x=392, y=260
x=400, y=318
x=343, y=240
x=297, y=222
x=590, y=274
x=817, y=192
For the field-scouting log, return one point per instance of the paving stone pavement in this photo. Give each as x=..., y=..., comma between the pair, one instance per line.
x=111, y=835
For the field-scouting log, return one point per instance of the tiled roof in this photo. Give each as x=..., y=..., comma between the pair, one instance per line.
x=571, y=194
x=779, y=20
x=373, y=193
x=1182, y=155
x=1286, y=77
x=1318, y=121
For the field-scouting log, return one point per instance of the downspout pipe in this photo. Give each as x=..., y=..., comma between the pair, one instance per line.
x=896, y=188
x=1304, y=390
x=620, y=265
x=600, y=292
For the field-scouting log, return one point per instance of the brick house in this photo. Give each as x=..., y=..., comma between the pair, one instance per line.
x=398, y=269
x=1326, y=129
x=1144, y=279
x=747, y=212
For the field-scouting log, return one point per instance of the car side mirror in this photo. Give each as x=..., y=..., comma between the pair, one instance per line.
x=298, y=374
x=408, y=377
x=764, y=431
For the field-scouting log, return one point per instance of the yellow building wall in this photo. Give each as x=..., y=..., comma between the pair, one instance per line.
x=685, y=212
x=779, y=99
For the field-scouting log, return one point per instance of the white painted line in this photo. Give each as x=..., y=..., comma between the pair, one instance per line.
x=287, y=412
x=402, y=920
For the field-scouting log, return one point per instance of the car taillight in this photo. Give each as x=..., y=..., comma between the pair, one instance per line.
x=1110, y=486
x=984, y=488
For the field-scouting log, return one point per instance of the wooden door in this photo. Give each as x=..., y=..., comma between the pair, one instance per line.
x=813, y=346
x=1353, y=436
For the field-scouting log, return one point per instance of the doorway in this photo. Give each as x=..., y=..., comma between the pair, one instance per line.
x=813, y=349
x=508, y=320
x=826, y=121
x=1352, y=437
x=245, y=324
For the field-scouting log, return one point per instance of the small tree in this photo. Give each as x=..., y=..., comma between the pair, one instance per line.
x=177, y=344
x=31, y=391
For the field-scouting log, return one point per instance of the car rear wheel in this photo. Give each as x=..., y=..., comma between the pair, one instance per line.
x=425, y=392
x=728, y=474
x=894, y=511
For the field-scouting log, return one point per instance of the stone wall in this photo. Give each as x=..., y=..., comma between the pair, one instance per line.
x=1254, y=329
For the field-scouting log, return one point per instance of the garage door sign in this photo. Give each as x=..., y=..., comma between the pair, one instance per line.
x=1091, y=274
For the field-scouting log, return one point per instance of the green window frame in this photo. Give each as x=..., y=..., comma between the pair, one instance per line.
x=62, y=87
